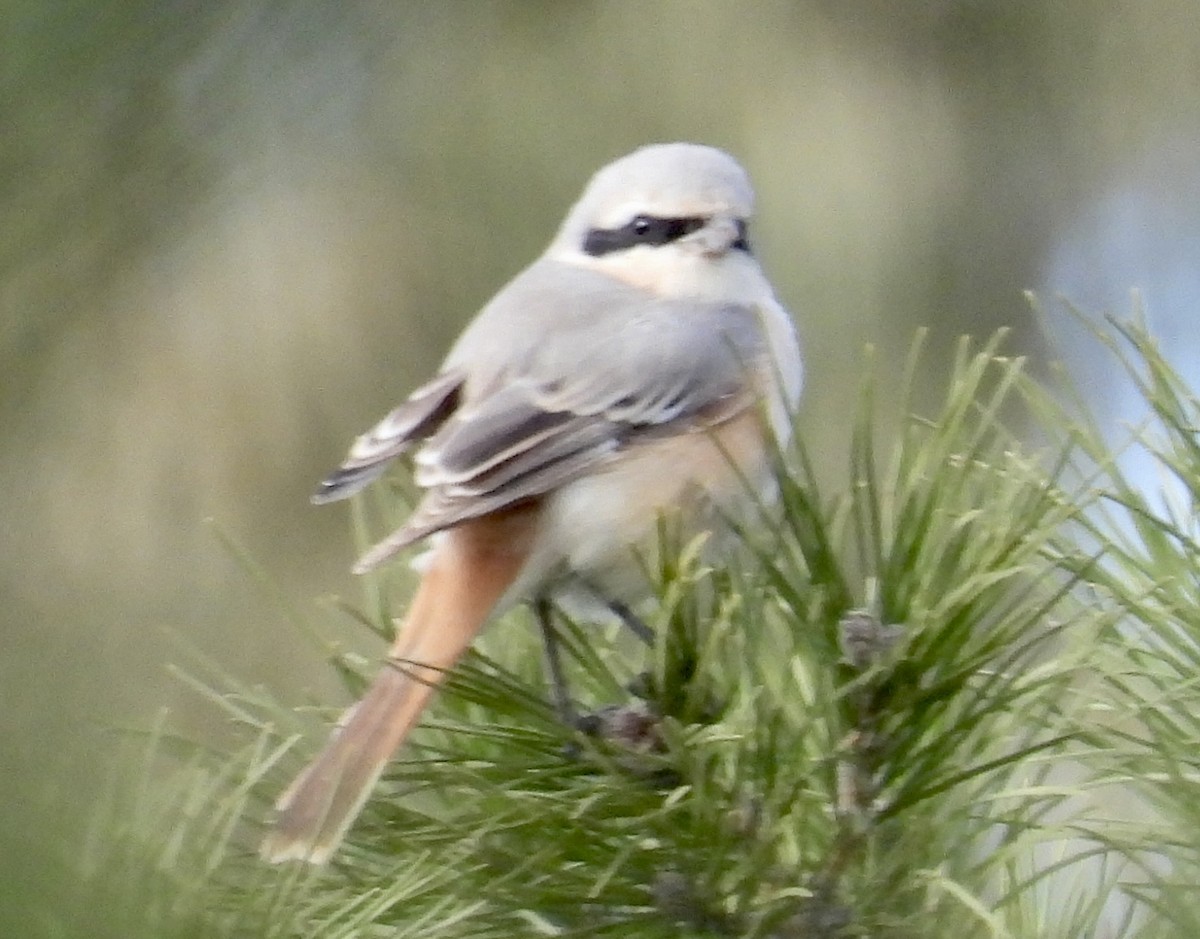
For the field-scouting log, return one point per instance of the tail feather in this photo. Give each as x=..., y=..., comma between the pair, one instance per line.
x=470, y=571
x=319, y=806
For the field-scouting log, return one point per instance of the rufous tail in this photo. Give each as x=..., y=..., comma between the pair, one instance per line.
x=470, y=571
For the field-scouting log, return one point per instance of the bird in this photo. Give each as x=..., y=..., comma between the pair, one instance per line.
x=640, y=368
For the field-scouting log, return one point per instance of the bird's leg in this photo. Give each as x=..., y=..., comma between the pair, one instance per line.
x=631, y=621
x=621, y=611
x=642, y=685
x=634, y=727
x=559, y=695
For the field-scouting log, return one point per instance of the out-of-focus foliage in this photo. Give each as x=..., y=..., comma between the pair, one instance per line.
x=1139, y=547
x=232, y=234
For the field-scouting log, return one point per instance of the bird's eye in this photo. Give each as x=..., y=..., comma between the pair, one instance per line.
x=642, y=225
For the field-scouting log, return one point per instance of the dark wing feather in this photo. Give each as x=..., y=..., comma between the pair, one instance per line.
x=489, y=459
x=542, y=407
x=421, y=414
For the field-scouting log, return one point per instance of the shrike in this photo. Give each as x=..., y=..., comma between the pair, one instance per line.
x=637, y=369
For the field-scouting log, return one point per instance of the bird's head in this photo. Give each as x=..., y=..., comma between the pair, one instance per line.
x=668, y=218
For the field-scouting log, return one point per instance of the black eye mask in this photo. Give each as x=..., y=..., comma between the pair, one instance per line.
x=650, y=230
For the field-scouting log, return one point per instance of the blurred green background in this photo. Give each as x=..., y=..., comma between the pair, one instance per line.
x=232, y=234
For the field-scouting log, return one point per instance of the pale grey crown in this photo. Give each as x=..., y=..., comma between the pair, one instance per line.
x=671, y=180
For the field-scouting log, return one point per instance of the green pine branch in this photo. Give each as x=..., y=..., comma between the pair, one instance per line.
x=897, y=711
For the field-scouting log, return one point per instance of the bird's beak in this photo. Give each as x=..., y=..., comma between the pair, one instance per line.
x=718, y=236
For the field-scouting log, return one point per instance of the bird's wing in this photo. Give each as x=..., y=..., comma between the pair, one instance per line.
x=617, y=368
x=422, y=413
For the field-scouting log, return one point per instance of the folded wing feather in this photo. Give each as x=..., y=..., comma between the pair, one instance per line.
x=558, y=406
